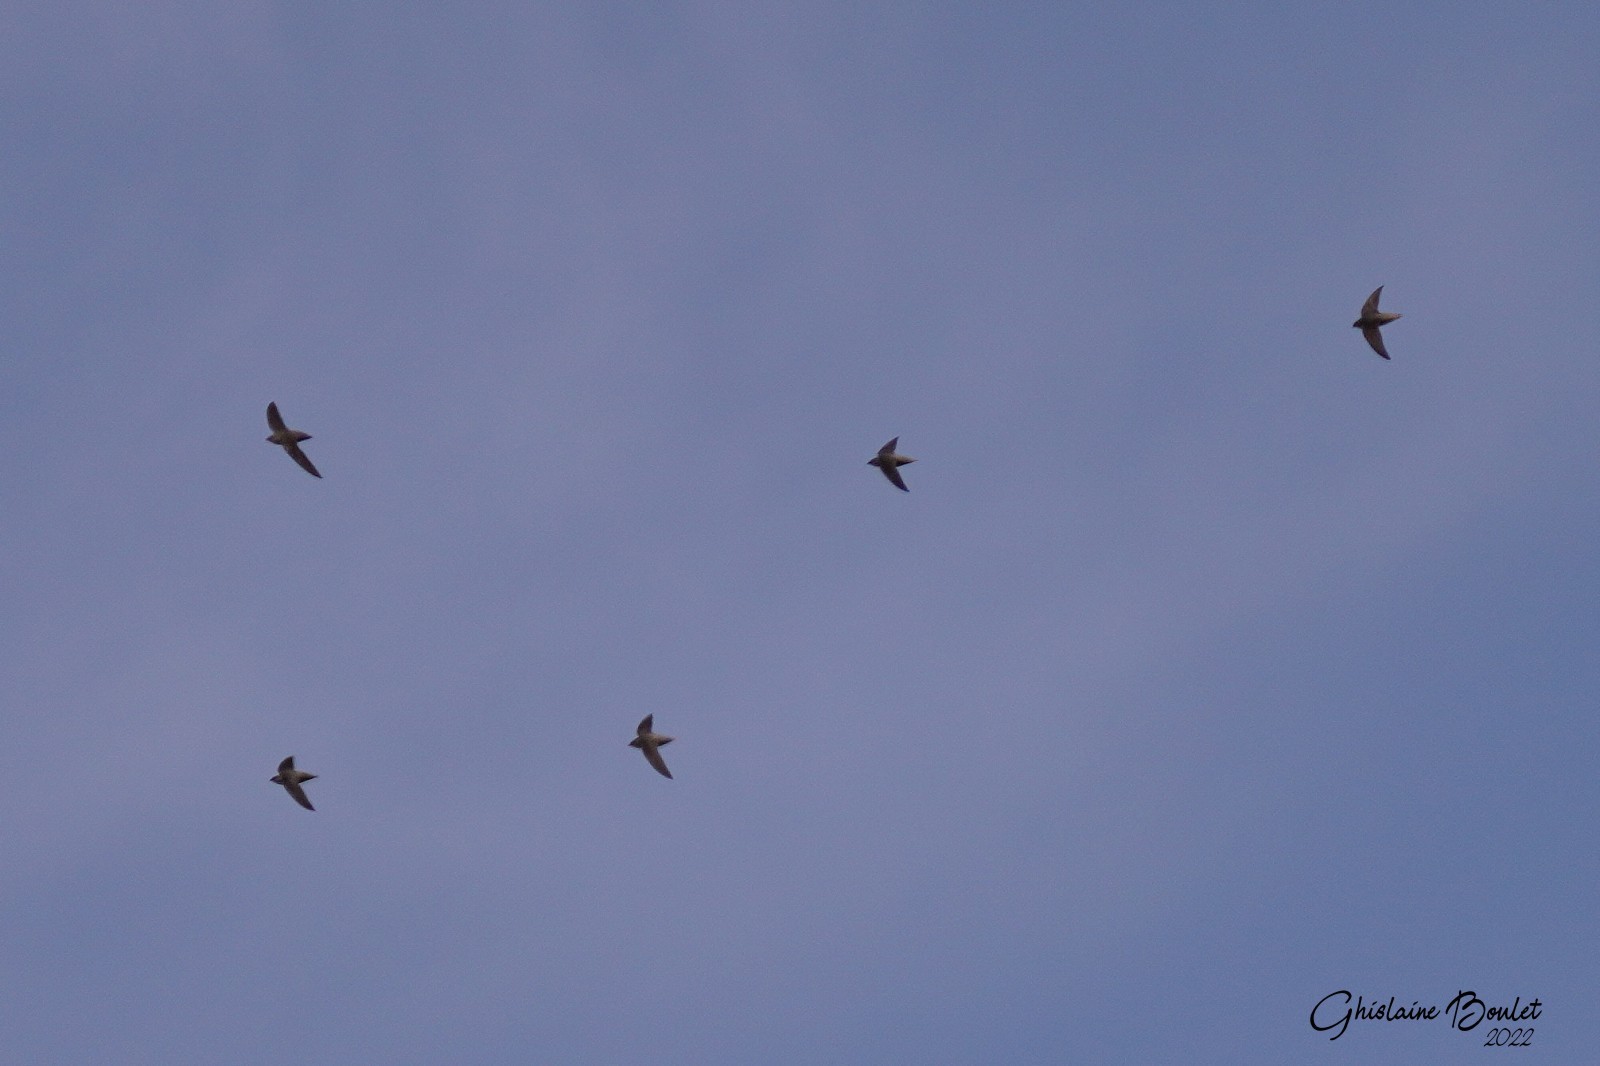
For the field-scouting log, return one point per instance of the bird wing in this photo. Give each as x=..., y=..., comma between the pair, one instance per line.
x=652, y=752
x=646, y=724
x=888, y=449
x=299, y=794
x=892, y=472
x=287, y=764
x=1375, y=339
x=274, y=419
x=1370, y=308
x=300, y=457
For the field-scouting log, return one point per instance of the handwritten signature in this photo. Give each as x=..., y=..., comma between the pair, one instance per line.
x=1334, y=1012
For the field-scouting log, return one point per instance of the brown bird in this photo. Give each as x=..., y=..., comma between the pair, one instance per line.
x=289, y=439
x=649, y=742
x=889, y=462
x=1372, y=320
x=291, y=780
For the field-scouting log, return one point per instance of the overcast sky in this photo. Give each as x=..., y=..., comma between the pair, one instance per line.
x=1210, y=666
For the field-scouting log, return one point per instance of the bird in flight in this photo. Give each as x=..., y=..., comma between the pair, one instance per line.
x=289, y=439
x=649, y=742
x=1372, y=320
x=291, y=780
x=890, y=463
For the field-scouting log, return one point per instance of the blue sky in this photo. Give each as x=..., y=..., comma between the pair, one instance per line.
x=1211, y=664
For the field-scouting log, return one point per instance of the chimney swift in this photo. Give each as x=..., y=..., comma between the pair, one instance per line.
x=289, y=439
x=649, y=742
x=889, y=462
x=1372, y=319
x=291, y=779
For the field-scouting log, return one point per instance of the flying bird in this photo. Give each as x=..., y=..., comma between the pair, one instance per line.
x=1372, y=319
x=289, y=439
x=291, y=780
x=649, y=742
x=890, y=462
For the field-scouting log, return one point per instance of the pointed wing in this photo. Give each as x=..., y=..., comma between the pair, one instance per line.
x=892, y=472
x=646, y=724
x=299, y=794
x=274, y=419
x=300, y=457
x=1370, y=308
x=287, y=764
x=888, y=449
x=652, y=752
x=1375, y=339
